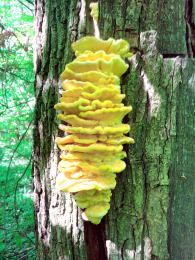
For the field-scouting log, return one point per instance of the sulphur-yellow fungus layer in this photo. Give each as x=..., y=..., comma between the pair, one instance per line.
x=99, y=157
x=92, y=93
x=91, y=139
x=96, y=168
x=92, y=153
x=102, y=130
x=93, y=44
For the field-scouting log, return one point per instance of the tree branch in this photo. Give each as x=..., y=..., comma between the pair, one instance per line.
x=6, y=176
x=25, y=5
x=15, y=75
x=17, y=231
x=15, y=190
x=30, y=2
x=22, y=103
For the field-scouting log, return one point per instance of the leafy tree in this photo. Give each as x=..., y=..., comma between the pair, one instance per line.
x=17, y=106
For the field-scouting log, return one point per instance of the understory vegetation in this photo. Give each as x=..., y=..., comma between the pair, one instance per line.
x=16, y=125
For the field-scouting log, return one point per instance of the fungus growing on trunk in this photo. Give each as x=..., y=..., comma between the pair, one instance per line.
x=91, y=104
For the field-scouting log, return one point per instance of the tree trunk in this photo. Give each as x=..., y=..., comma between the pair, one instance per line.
x=151, y=215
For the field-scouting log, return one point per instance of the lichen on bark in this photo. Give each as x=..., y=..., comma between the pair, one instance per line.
x=154, y=193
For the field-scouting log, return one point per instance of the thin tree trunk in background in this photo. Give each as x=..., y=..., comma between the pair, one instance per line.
x=151, y=215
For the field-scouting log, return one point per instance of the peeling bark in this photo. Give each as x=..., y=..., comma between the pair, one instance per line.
x=154, y=194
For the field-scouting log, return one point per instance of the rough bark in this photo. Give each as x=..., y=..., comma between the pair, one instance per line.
x=182, y=184
x=59, y=228
x=173, y=20
x=144, y=202
x=151, y=213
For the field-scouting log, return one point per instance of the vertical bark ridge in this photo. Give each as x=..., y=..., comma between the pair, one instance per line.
x=182, y=185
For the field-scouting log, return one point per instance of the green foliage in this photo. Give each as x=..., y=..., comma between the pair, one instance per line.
x=16, y=110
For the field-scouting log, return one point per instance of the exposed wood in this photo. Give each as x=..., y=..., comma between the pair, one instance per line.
x=95, y=241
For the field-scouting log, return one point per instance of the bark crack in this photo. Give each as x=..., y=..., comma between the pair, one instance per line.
x=125, y=5
x=145, y=185
x=95, y=241
x=190, y=28
x=123, y=248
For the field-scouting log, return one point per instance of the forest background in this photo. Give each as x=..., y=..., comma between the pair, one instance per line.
x=16, y=117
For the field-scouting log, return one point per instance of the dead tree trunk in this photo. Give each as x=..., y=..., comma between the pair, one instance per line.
x=151, y=215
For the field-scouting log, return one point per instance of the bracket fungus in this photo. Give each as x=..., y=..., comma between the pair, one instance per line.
x=92, y=153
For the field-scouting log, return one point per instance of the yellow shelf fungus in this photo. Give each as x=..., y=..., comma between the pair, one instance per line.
x=92, y=93
x=92, y=153
x=102, y=130
x=98, y=157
